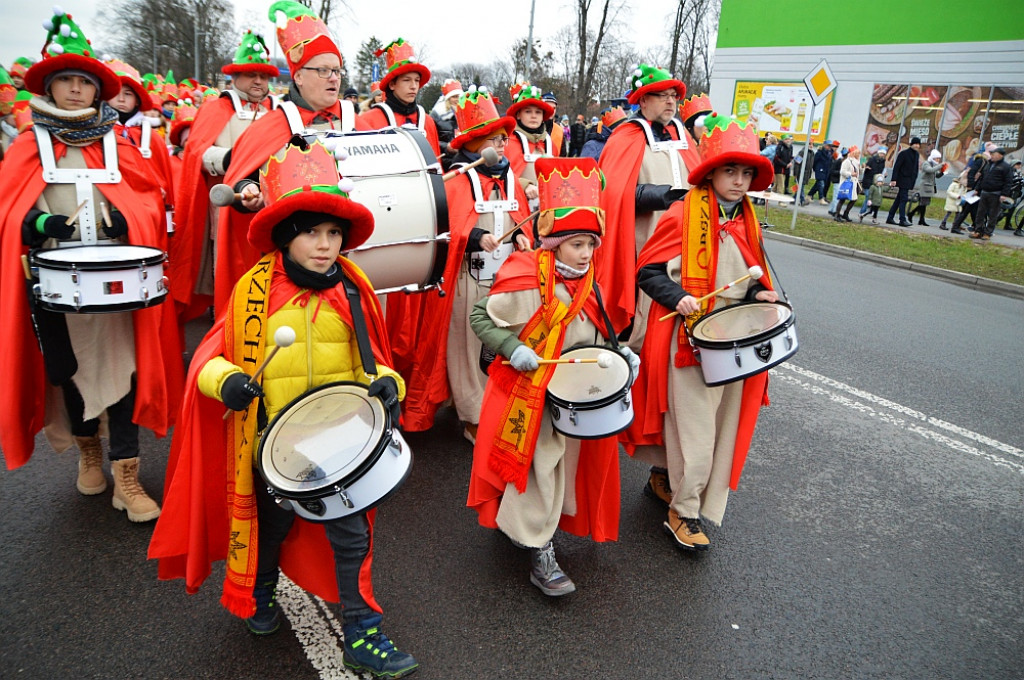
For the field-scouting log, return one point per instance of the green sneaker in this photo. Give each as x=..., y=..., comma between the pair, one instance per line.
x=266, y=620
x=369, y=649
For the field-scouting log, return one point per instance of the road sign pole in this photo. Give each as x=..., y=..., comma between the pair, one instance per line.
x=803, y=168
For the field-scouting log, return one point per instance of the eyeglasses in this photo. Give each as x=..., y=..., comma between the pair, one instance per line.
x=323, y=71
x=500, y=140
x=665, y=96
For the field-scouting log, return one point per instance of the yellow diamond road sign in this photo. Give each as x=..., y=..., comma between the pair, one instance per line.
x=820, y=82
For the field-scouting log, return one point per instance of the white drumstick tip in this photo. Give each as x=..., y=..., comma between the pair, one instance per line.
x=284, y=336
x=604, y=360
x=755, y=272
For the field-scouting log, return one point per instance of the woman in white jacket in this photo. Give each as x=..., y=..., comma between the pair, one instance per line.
x=850, y=170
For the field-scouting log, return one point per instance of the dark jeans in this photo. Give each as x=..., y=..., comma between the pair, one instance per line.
x=901, y=204
x=124, y=434
x=989, y=211
x=349, y=538
x=968, y=210
x=817, y=188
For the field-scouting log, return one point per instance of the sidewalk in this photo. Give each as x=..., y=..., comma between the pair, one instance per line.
x=781, y=215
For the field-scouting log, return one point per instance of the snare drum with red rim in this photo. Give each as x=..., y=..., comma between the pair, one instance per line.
x=333, y=452
x=97, y=279
x=742, y=340
x=587, y=401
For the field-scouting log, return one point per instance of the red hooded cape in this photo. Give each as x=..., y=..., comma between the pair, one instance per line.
x=157, y=344
x=650, y=391
x=427, y=373
x=193, y=529
x=597, y=477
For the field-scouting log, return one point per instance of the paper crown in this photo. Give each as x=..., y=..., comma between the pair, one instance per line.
x=129, y=76
x=525, y=94
x=612, y=116
x=400, y=58
x=569, y=191
x=301, y=33
x=451, y=88
x=477, y=117
x=7, y=92
x=22, y=112
x=646, y=79
x=694, y=106
x=727, y=140
x=252, y=56
x=67, y=47
x=182, y=118
x=306, y=178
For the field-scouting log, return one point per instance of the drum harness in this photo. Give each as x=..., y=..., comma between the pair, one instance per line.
x=529, y=156
x=667, y=146
x=498, y=209
x=421, y=118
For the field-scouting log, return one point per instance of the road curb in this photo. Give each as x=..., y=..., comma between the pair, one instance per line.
x=969, y=280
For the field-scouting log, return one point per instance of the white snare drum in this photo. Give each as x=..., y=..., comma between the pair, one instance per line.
x=483, y=266
x=397, y=176
x=333, y=452
x=587, y=401
x=96, y=279
x=742, y=340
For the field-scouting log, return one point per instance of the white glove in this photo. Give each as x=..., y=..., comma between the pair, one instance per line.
x=524, y=359
x=632, y=358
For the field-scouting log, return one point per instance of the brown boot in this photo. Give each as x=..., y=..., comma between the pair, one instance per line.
x=129, y=494
x=658, y=487
x=686, y=531
x=91, y=480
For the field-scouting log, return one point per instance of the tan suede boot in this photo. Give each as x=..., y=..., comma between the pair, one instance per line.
x=91, y=480
x=129, y=494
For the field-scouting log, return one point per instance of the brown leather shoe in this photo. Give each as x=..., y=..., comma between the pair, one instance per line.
x=986, y=237
x=687, y=532
x=658, y=487
x=90, y=466
x=974, y=234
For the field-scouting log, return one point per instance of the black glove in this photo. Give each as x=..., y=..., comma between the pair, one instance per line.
x=651, y=197
x=237, y=392
x=54, y=226
x=118, y=225
x=386, y=389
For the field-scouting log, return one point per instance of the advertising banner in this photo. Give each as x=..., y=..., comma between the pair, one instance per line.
x=781, y=108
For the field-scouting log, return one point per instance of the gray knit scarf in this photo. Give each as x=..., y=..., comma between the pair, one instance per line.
x=74, y=128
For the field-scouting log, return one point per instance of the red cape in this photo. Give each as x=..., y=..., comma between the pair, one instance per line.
x=426, y=377
x=650, y=391
x=157, y=344
x=193, y=529
x=597, y=476
x=374, y=119
x=516, y=159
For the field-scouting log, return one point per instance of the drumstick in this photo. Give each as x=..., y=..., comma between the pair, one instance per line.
x=24, y=265
x=604, y=360
x=74, y=215
x=512, y=232
x=107, y=220
x=222, y=195
x=283, y=337
x=488, y=156
x=754, y=272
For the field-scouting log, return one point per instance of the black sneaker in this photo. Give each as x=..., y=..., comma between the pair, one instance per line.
x=367, y=648
x=266, y=620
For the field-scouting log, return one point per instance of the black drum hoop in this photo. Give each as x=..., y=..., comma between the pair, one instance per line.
x=746, y=340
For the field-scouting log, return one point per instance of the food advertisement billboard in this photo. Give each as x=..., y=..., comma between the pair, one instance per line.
x=781, y=108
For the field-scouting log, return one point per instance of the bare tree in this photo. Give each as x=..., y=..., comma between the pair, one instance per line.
x=588, y=39
x=325, y=8
x=694, y=24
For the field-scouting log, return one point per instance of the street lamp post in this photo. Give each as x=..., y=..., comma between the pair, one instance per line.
x=529, y=42
x=196, y=33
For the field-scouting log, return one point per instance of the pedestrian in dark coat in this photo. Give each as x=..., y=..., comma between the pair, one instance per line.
x=904, y=176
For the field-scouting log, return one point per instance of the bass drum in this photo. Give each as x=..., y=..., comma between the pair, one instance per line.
x=333, y=452
x=742, y=340
x=397, y=176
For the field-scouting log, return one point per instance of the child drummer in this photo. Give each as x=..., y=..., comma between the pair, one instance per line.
x=300, y=282
x=527, y=478
x=709, y=239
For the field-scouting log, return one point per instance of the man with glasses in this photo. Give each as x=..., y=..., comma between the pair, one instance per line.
x=645, y=164
x=401, y=85
x=311, y=105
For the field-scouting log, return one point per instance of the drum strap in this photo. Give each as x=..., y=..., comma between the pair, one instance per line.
x=359, y=323
x=607, y=321
x=672, y=147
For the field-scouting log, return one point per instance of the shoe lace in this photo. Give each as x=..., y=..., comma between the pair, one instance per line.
x=265, y=595
x=693, y=524
x=546, y=562
x=130, y=480
x=376, y=642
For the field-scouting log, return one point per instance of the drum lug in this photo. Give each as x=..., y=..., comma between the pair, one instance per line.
x=143, y=274
x=143, y=293
x=736, y=355
x=626, y=401
x=163, y=284
x=789, y=339
x=343, y=495
x=572, y=415
x=396, y=444
x=37, y=291
x=556, y=413
x=74, y=274
x=78, y=300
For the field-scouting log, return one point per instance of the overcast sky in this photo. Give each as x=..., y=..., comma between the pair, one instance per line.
x=448, y=31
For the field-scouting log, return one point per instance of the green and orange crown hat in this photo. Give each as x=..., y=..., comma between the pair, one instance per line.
x=612, y=115
x=694, y=106
x=182, y=118
x=7, y=92
x=67, y=48
x=22, y=112
x=252, y=56
x=569, y=191
x=647, y=79
x=301, y=34
x=307, y=180
x=727, y=140
x=129, y=76
x=477, y=117
x=400, y=58
x=523, y=95
x=20, y=66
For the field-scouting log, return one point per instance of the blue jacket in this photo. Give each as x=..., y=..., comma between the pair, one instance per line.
x=822, y=163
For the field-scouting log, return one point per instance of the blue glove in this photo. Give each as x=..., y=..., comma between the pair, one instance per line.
x=237, y=392
x=524, y=359
x=632, y=358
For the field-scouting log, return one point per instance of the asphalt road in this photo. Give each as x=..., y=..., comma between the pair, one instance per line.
x=878, y=533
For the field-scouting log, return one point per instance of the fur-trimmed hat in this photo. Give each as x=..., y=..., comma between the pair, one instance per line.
x=181, y=120
x=67, y=48
x=301, y=34
x=452, y=88
x=647, y=79
x=523, y=95
x=252, y=56
x=727, y=140
x=305, y=180
x=477, y=117
x=401, y=58
x=569, y=192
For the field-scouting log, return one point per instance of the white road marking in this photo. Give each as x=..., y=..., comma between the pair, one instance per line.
x=316, y=628
x=921, y=424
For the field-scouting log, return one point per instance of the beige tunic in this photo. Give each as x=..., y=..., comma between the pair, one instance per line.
x=701, y=422
x=530, y=518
